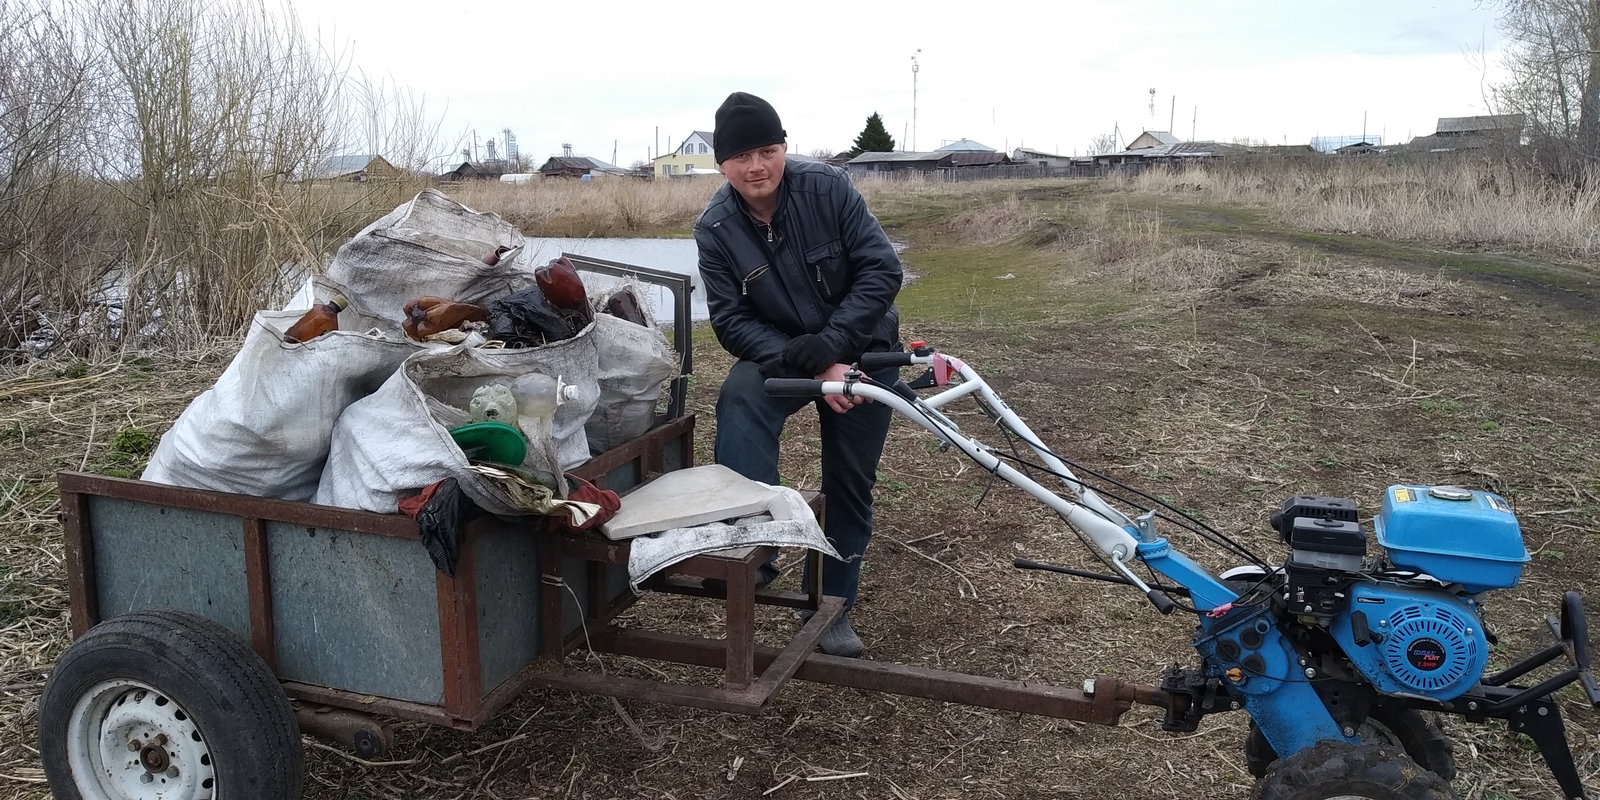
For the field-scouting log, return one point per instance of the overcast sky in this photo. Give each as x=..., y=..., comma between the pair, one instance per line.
x=1048, y=75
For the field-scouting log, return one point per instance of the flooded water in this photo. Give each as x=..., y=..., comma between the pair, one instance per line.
x=669, y=255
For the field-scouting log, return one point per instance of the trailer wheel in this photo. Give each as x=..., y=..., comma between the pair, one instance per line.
x=170, y=706
x=1343, y=771
x=1404, y=728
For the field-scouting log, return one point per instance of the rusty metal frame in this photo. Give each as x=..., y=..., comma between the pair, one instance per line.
x=465, y=706
x=752, y=674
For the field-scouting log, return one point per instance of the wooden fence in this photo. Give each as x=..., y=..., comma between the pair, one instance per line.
x=994, y=172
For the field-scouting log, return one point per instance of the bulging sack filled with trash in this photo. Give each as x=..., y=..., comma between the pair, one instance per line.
x=264, y=428
x=635, y=363
x=431, y=246
x=399, y=440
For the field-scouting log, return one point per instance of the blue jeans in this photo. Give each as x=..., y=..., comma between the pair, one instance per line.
x=749, y=422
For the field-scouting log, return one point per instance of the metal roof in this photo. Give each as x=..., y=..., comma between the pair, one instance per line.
x=964, y=145
x=899, y=155
x=339, y=166
x=1490, y=122
x=1161, y=136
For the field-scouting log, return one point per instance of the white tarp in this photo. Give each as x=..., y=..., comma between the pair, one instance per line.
x=787, y=523
x=634, y=363
x=264, y=427
x=431, y=246
x=397, y=440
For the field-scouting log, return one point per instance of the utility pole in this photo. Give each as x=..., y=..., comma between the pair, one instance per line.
x=914, y=69
x=1194, y=122
x=1172, y=113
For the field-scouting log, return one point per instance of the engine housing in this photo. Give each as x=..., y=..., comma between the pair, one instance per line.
x=1412, y=640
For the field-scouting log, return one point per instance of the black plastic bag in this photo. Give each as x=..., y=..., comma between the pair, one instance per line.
x=528, y=319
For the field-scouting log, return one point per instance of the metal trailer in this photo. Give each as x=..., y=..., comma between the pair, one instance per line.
x=199, y=615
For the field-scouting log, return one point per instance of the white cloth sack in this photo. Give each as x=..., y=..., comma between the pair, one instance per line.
x=791, y=524
x=434, y=246
x=265, y=426
x=397, y=440
x=635, y=363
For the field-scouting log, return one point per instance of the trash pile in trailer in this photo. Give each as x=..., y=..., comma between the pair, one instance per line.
x=431, y=362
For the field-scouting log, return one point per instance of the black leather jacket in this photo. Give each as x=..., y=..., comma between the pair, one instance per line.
x=827, y=268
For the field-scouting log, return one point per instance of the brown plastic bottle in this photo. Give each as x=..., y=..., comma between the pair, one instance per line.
x=322, y=318
x=624, y=305
x=563, y=287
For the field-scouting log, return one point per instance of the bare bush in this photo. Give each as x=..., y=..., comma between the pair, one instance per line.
x=154, y=157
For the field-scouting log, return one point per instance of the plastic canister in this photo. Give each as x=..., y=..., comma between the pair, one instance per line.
x=538, y=395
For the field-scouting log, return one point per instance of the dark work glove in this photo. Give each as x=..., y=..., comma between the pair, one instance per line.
x=778, y=368
x=810, y=353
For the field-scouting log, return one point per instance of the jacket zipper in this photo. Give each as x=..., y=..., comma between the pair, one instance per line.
x=826, y=292
x=744, y=286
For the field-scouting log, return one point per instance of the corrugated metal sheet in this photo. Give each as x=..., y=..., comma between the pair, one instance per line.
x=901, y=155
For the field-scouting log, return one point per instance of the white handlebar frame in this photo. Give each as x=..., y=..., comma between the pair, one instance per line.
x=1112, y=531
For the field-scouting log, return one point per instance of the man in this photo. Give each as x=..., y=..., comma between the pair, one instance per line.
x=800, y=280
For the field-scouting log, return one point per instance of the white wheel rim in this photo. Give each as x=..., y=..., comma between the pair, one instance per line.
x=130, y=741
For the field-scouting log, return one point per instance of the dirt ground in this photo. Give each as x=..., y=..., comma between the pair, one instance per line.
x=1293, y=364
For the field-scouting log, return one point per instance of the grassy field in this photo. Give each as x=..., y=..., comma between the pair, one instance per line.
x=1219, y=351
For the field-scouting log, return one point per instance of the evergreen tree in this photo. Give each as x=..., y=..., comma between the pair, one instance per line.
x=873, y=139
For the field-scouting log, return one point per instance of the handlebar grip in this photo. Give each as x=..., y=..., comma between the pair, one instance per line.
x=1162, y=603
x=872, y=362
x=793, y=387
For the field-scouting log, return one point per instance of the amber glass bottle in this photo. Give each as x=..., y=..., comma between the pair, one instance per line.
x=322, y=317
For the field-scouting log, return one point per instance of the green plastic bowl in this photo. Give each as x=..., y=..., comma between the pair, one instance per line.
x=491, y=441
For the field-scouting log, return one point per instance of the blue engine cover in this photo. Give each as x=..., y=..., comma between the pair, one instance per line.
x=1456, y=535
x=1424, y=643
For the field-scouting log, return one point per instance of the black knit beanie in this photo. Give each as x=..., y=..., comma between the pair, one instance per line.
x=744, y=122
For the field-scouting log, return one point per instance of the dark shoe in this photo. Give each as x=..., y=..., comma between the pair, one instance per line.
x=839, y=639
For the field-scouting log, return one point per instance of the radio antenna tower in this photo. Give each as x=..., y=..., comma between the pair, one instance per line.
x=1152, y=102
x=914, y=69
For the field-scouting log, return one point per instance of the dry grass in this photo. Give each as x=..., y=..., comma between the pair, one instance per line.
x=606, y=207
x=1463, y=201
x=1243, y=369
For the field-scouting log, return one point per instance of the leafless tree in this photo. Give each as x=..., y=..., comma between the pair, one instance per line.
x=1102, y=144
x=43, y=79
x=1552, y=62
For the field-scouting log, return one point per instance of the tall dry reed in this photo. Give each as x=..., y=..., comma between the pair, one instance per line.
x=612, y=206
x=1454, y=200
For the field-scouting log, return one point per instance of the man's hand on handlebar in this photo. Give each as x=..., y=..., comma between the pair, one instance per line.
x=837, y=402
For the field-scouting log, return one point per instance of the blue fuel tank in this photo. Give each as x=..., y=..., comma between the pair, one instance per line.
x=1456, y=535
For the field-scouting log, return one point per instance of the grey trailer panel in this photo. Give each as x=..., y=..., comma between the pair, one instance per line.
x=151, y=556
x=507, y=564
x=355, y=612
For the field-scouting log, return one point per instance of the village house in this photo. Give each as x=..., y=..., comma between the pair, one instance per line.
x=1039, y=158
x=469, y=171
x=1149, y=139
x=694, y=157
x=898, y=161
x=355, y=169
x=568, y=165
x=1470, y=133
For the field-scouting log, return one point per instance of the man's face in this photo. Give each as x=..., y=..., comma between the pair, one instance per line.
x=755, y=173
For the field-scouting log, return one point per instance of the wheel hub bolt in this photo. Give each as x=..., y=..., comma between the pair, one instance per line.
x=134, y=745
x=154, y=759
x=1349, y=731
